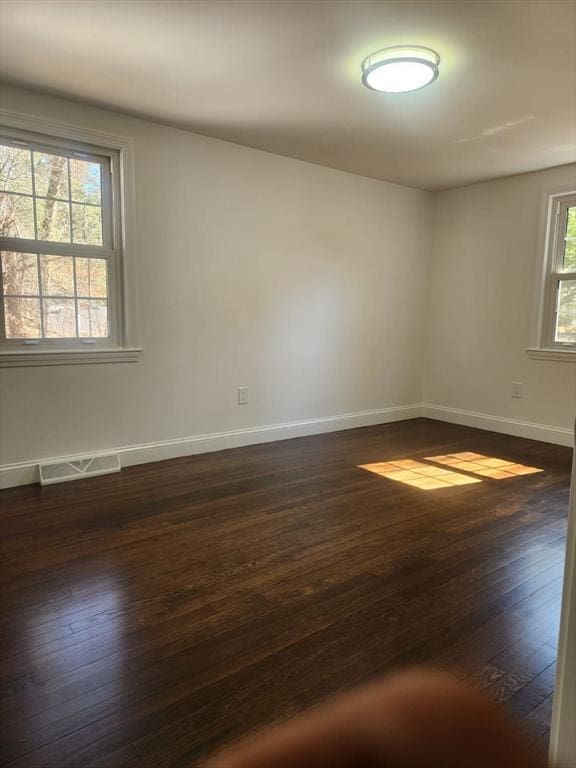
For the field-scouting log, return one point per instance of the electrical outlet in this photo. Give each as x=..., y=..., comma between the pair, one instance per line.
x=242, y=395
x=517, y=389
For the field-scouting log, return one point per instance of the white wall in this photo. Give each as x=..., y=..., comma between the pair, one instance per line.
x=483, y=270
x=302, y=283
x=312, y=287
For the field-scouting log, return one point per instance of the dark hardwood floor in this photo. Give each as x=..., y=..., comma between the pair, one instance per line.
x=151, y=616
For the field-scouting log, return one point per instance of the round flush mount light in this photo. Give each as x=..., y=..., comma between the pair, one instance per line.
x=400, y=69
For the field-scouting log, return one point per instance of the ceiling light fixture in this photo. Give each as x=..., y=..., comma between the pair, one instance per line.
x=400, y=69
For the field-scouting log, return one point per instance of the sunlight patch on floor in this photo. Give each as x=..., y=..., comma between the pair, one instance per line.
x=450, y=472
x=485, y=466
x=419, y=475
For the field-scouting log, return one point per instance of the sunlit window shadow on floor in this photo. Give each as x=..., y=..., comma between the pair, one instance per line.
x=428, y=477
x=485, y=466
x=419, y=475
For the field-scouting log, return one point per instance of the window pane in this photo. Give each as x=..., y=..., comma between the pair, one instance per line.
x=87, y=224
x=16, y=216
x=22, y=318
x=91, y=278
x=566, y=313
x=20, y=273
x=59, y=318
x=53, y=221
x=93, y=318
x=569, y=263
x=50, y=175
x=15, y=170
x=571, y=222
x=57, y=275
x=85, y=179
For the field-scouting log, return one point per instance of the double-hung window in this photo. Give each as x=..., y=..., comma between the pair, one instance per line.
x=560, y=315
x=62, y=275
x=555, y=334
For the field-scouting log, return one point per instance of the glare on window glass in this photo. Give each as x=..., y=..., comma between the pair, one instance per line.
x=569, y=260
x=565, y=331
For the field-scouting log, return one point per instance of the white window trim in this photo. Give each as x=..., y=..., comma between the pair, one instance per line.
x=127, y=348
x=541, y=346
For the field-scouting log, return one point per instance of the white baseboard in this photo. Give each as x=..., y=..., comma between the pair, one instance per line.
x=542, y=432
x=27, y=472
x=19, y=474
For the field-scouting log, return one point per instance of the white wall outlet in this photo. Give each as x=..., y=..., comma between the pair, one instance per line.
x=517, y=389
x=242, y=395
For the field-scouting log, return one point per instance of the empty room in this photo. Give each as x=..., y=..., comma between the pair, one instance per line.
x=287, y=383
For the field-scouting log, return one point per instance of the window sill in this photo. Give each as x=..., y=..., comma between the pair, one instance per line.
x=23, y=358
x=559, y=355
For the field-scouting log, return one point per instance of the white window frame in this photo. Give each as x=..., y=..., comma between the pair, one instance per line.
x=118, y=151
x=543, y=345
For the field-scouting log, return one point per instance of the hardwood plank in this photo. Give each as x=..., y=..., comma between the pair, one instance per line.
x=152, y=616
x=534, y=693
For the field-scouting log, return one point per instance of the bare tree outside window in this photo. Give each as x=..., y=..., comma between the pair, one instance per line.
x=49, y=198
